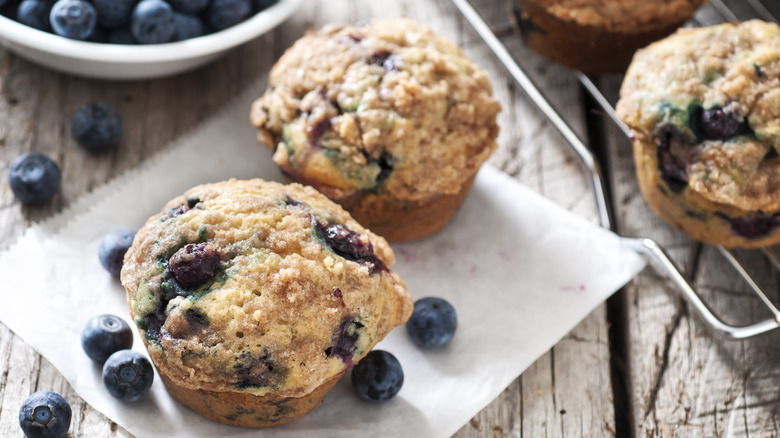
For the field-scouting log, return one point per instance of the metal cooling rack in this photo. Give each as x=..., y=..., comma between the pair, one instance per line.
x=645, y=246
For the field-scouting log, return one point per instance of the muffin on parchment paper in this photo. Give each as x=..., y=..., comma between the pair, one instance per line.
x=388, y=119
x=253, y=298
x=598, y=36
x=704, y=109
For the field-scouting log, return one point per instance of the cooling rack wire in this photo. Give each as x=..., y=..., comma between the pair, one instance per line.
x=652, y=250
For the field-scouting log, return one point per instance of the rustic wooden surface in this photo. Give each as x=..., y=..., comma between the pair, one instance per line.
x=680, y=380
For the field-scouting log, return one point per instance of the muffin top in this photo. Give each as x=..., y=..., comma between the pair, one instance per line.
x=389, y=106
x=622, y=15
x=709, y=100
x=260, y=287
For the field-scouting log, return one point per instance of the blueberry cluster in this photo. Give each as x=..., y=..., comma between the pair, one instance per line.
x=127, y=374
x=378, y=377
x=34, y=178
x=131, y=21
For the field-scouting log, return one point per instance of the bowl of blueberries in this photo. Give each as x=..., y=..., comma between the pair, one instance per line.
x=133, y=39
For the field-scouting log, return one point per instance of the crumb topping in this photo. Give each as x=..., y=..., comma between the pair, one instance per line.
x=386, y=106
x=709, y=99
x=238, y=290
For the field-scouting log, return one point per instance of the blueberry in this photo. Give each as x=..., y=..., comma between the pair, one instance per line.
x=432, y=323
x=45, y=414
x=377, y=377
x=752, y=227
x=74, y=19
x=121, y=36
x=113, y=13
x=347, y=244
x=345, y=339
x=385, y=59
x=716, y=124
x=192, y=265
x=96, y=126
x=186, y=27
x=99, y=35
x=34, y=178
x=189, y=6
x=104, y=335
x=127, y=375
x=152, y=22
x=385, y=163
x=225, y=13
x=34, y=13
x=257, y=370
x=112, y=249
x=672, y=168
x=263, y=4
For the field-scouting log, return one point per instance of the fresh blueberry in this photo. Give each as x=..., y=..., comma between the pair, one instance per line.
x=34, y=178
x=186, y=27
x=34, y=13
x=432, y=323
x=225, y=13
x=152, y=22
x=263, y=4
x=121, y=36
x=99, y=35
x=192, y=265
x=104, y=335
x=189, y=6
x=96, y=126
x=127, y=375
x=112, y=249
x=377, y=377
x=45, y=414
x=74, y=19
x=113, y=13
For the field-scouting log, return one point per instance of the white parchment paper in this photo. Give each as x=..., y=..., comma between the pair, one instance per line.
x=520, y=271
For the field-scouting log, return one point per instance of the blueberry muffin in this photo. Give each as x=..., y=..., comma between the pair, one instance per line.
x=388, y=119
x=704, y=109
x=253, y=298
x=597, y=36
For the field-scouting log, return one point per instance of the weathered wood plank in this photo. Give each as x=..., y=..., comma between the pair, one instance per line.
x=566, y=392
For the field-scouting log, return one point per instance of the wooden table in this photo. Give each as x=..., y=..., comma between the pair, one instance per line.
x=640, y=365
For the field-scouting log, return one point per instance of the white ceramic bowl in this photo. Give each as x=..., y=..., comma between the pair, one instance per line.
x=113, y=61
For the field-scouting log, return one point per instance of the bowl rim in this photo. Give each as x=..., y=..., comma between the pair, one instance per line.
x=265, y=20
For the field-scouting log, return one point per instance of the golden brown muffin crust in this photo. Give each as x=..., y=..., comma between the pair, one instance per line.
x=730, y=69
x=296, y=293
x=621, y=15
x=389, y=106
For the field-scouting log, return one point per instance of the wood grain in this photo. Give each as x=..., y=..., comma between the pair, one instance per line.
x=567, y=392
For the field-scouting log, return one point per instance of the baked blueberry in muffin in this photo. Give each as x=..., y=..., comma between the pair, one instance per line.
x=253, y=298
x=388, y=119
x=704, y=109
